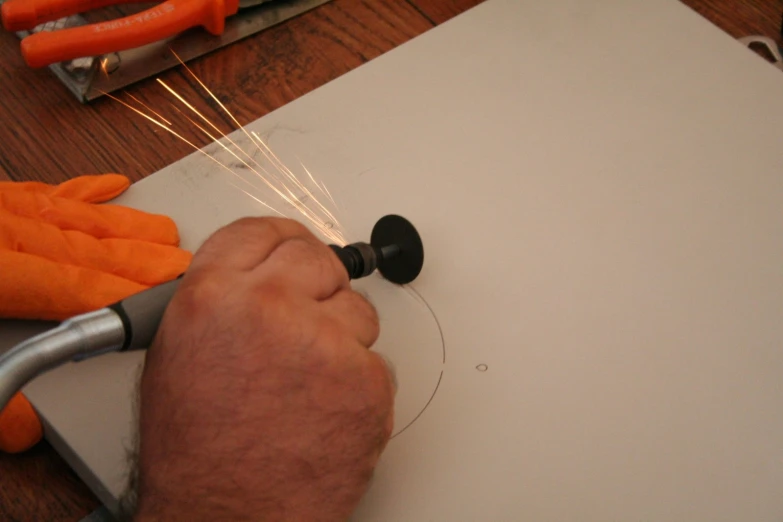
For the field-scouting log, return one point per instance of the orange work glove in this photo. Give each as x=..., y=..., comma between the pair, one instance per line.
x=62, y=255
x=20, y=427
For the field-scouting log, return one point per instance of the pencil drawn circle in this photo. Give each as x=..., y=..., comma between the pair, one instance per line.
x=482, y=367
x=411, y=339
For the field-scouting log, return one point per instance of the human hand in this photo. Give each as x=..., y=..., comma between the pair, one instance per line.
x=260, y=398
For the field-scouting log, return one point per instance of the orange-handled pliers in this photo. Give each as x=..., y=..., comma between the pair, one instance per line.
x=167, y=19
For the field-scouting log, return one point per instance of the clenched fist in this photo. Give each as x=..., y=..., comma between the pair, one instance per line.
x=260, y=398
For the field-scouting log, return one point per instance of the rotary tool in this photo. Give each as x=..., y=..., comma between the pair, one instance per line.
x=395, y=250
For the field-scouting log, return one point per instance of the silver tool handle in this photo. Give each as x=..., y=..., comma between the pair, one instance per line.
x=130, y=324
x=78, y=338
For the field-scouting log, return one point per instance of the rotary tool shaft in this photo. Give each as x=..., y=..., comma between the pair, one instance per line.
x=361, y=259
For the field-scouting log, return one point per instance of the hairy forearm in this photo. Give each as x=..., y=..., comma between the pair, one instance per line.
x=246, y=494
x=185, y=496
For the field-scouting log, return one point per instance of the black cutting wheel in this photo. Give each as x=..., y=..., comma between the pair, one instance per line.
x=405, y=266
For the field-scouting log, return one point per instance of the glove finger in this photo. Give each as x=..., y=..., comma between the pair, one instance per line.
x=140, y=261
x=20, y=427
x=100, y=221
x=89, y=189
x=37, y=288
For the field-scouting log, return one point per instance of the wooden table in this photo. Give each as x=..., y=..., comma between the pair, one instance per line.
x=47, y=135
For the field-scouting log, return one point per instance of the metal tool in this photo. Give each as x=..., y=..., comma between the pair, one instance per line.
x=165, y=20
x=89, y=77
x=395, y=250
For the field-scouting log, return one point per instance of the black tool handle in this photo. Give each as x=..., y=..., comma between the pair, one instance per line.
x=142, y=313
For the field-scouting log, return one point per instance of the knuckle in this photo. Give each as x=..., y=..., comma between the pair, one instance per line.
x=234, y=236
x=239, y=226
x=252, y=226
x=380, y=384
x=298, y=247
x=302, y=251
x=332, y=333
x=247, y=221
x=391, y=371
x=296, y=227
x=368, y=313
x=199, y=291
x=285, y=227
x=326, y=354
x=272, y=294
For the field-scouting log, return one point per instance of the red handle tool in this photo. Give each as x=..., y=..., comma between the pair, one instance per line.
x=160, y=22
x=19, y=15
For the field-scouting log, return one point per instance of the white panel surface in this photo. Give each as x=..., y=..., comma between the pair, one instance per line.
x=599, y=188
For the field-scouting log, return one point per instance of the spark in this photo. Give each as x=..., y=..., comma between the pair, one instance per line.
x=267, y=152
x=321, y=186
x=265, y=149
x=281, y=180
x=164, y=120
x=222, y=106
x=239, y=125
x=159, y=124
x=215, y=140
x=280, y=166
x=290, y=198
x=257, y=199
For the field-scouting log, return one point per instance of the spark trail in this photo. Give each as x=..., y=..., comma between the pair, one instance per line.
x=276, y=176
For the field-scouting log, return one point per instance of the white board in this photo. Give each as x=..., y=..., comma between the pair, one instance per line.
x=599, y=186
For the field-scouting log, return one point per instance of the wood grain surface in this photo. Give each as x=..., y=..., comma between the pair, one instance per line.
x=47, y=135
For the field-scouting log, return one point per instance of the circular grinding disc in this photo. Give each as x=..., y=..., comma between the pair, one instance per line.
x=405, y=266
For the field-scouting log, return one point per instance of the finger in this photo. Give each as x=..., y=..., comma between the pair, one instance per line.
x=140, y=261
x=355, y=314
x=305, y=266
x=101, y=221
x=37, y=288
x=89, y=189
x=385, y=380
x=92, y=189
x=246, y=243
x=391, y=369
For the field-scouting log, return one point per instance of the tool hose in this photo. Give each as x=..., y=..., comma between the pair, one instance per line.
x=77, y=338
